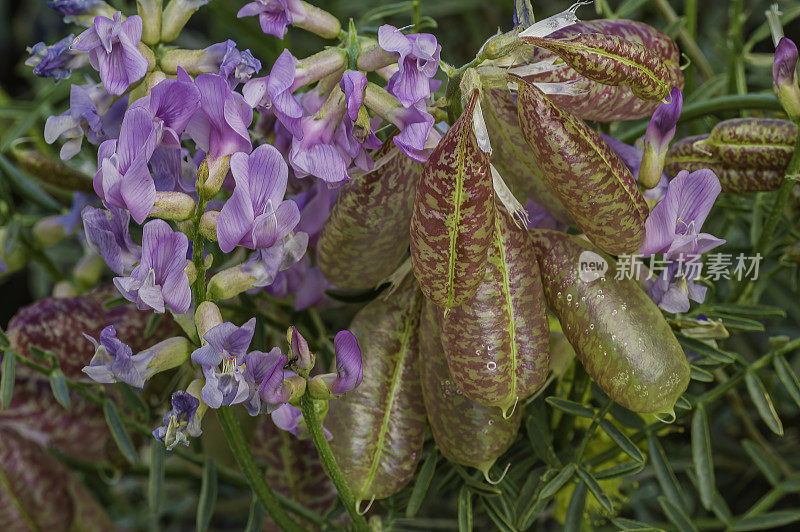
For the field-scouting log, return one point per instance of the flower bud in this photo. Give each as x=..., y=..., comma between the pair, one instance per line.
x=318, y=21
x=302, y=357
x=784, y=73
x=49, y=231
x=231, y=282
x=211, y=174
x=168, y=354
x=88, y=270
x=660, y=132
x=208, y=225
x=64, y=290
x=277, y=388
x=206, y=317
x=372, y=57
x=150, y=11
x=318, y=66
x=191, y=271
x=173, y=206
x=321, y=386
x=176, y=15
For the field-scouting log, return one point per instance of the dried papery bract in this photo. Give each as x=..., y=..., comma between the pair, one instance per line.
x=593, y=183
x=496, y=343
x=378, y=428
x=466, y=431
x=603, y=102
x=366, y=235
x=620, y=335
x=452, y=220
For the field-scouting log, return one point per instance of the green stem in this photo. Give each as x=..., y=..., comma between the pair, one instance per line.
x=416, y=13
x=688, y=43
x=199, y=288
x=566, y=425
x=592, y=429
x=736, y=76
x=241, y=450
x=314, y=424
x=690, y=13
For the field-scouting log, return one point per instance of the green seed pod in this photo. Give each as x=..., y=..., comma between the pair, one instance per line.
x=593, y=183
x=497, y=343
x=52, y=171
x=379, y=428
x=606, y=103
x=513, y=158
x=366, y=235
x=467, y=432
x=692, y=154
x=453, y=216
x=620, y=335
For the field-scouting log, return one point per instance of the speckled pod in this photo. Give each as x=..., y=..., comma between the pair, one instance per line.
x=497, y=343
x=378, y=428
x=39, y=493
x=512, y=157
x=619, y=334
x=607, y=103
x=467, y=432
x=692, y=154
x=453, y=216
x=756, y=143
x=594, y=185
x=366, y=235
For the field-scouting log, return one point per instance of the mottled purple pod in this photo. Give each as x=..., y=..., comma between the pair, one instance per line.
x=692, y=153
x=513, y=158
x=601, y=102
x=453, y=216
x=620, y=335
x=756, y=143
x=57, y=325
x=467, y=432
x=294, y=469
x=366, y=235
x=379, y=428
x=38, y=492
x=591, y=180
x=497, y=343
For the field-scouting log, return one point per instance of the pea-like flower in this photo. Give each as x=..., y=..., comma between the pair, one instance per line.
x=171, y=103
x=114, y=361
x=220, y=125
x=660, y=131
x=108, y=234
x=349, y=369
x=274, y=15
x=784, y=68
x=180, y=422
x=113, y=51
x=274, y=92
x=418, y=61
x=56, y=61
x=160, y=280
x=223, y=359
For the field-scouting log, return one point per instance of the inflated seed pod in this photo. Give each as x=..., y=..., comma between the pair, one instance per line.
x=601, y=102
x=453, y=216
x=378, y=428
x=497, y=343
x=756, y=143
x=620, y=335
x=467, y=432
x=512, y=157
x=691, y=154
x=591, y=180
x=366, y=235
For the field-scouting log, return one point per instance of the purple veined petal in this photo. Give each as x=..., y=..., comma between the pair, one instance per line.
x=353, y=84
x=107, y=181
x=208, y=355
x=410, y=85
x=273, y=227
x=131, y=28
x=427, y=51
x=107, y=232
x=268, y=177
x=250, y=10
x=348, y=363
x=287, y=418
x=785, y=62
x=271, y=389
x=138, y=137
x=125, y=370
x=237, y=215
x=698, y=191
x=265, y=229
x=88, y=40
x=321, y=160
x=661, y=128
x=150, y=296
x=279, y=85
x=138, y=191
x=238, y=116
x=392, y=40
x=211, y=394
x=101, y=374
x=660, y=225
x=239, y=340
x=174, y=102
x=254, y=92
x=675, y=299
x=177, y=292
x=707, y=242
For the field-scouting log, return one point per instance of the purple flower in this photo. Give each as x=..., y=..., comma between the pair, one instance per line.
x=302, y=357
x=256, y=215
x=353, y=141
x=674, y=224
x=72, y=219
x=222, y=359
x=108, y=234
x=123, y=178
x=632, y=158
x=305, y=282
x=675, y=286
x=784, y=63
x=226, y=60
x=180, y=422
x=113, y=361
x=220, y=125
x=313, y=151
x=171, y=103
x=272, y=389
x=290, y=419
x=661, y=128
x=173, y=170
x=348, y=363
x=56, y=61
x=315, y=204
x=160, y=278
x=112, y=47
x=73, y=7
x=418, y=62
x=274, y=15
x=353, y=84
x=274, y=92
x=92, y=113
x=258, y=367
x=417, y=137
x=539, y=218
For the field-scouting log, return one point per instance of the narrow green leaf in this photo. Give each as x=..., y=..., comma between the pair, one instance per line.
x=255, y=519
x=750, y=311
x=118, y=431
x=387, y=10
x=701, y=455
x=763, y=462
x=792, y=484
x=539, y=434
x=664, y=473
x=570, y=407
x=788, y=378
x=736, y=323
x=27, y=187
x=683, y=403
x=422, y=484
x=465, y=510
x=763, y=403
x=676, y=515
x=718, y=504
x=552, y=487
x=629, y=419
x=7, y=379
x=619, y=470
x=497, y=516
x=40, y=354
x=620, y=439
x=699, y=374
x=767, y=521
x=701, y=348
x=5, y=343
x=630, y=524
x=208, y=496
x=152, y=324
x=596, y=490
x=58, y=383
x=155, y=480
x=115, y=302
x=132, y=399
x=577, y=506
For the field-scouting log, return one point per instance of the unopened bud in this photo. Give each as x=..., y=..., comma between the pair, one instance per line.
x=191, y=271
x=206, y=317
x=173, y=206
x=231, y=282
x=318, y=21
x=168, y=354
x=208, y=225
x=88, y=270
x=150, y=11
x=302, y=357
x=784, y=73
x=176, y=15
x=318, y=66
x=211, y=174
x=49, y=231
